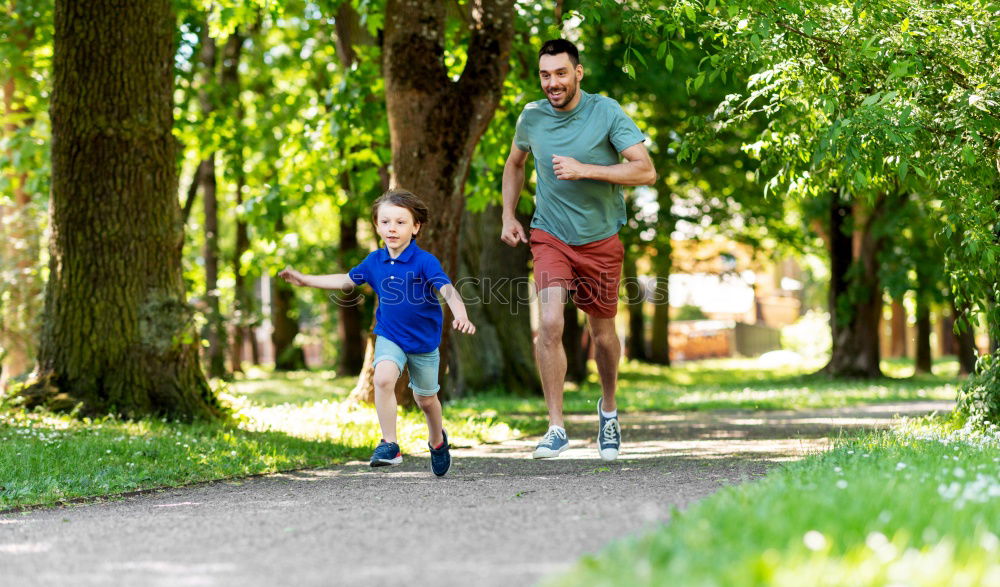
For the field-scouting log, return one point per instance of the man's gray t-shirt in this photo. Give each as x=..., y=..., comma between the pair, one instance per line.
x=579, y=211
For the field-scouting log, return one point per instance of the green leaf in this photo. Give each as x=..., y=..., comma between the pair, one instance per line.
x=871, y=99
x=669, y=63
x=904, y=167
x=698, y=81
x=661, y=50
x=905, y=26
x=639, y=56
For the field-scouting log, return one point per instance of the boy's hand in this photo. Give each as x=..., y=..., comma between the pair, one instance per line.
x=463, y=325
x=292, y=276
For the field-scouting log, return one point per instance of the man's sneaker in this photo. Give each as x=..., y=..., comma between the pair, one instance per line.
x=552, y=444
x=386, y=453
x=609, y=435
x=440, y=457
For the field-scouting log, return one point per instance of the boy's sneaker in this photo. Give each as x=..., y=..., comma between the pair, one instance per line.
x=552, y=444
x=440, y=457
x=609, y=435
x=386, y=453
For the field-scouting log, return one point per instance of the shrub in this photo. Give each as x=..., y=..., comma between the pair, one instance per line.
x=979, y=396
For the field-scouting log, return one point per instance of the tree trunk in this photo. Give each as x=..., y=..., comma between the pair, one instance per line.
x=494, y=284
x=349, y=328
x=435, y=122
x=898, y=326
x=965, y=340
x=229, y=84
x=350, y=311
x=660, y=347
x=215, y=332
x=855, y=302
x=634, y=301
x=949, y=342
x=20, y=308
x=287, y=355
x=923, y=362
x=118, y=336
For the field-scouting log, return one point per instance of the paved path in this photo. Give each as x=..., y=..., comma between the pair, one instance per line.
x=498, y=518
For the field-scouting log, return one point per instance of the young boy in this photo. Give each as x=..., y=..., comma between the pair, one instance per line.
x=408, y=320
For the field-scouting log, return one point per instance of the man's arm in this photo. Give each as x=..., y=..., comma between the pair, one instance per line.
x=513, y=181
x=636, y=170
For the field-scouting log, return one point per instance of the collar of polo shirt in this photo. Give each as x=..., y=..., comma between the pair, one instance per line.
x=404, y=256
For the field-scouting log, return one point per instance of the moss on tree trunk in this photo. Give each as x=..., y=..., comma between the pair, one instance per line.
x=118, y=335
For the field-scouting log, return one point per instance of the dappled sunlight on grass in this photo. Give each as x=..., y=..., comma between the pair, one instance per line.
x=295, y=387
x=49, y=457
x=727, y=384
x=357, y=425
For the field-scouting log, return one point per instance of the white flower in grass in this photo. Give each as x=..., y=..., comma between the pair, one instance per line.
x=880, y=545
x=814, y=540
x=900, y=466
x=959, y=472
x=838, y=470
x=841, y=484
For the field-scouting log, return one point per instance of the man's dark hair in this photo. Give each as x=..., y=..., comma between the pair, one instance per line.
x=403, y=199
x=557, y=46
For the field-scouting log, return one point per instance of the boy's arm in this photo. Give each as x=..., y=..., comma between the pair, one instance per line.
x=333, y=281
x=461, y=322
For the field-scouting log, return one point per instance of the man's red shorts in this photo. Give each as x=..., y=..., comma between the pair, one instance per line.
x=591, y=271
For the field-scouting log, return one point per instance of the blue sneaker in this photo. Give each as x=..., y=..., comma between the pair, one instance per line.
x=552, y=444
x=440, y=457
x=609, y=435
x=386, y=453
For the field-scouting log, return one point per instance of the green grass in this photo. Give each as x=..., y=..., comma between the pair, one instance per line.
x=919, y=506
x=727, y=384
x=279, y=425
x=297, y=420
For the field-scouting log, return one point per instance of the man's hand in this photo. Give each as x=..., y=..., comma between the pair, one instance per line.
x=292, y=276
x=513, y=233
x=567, y=167
x=463, y=325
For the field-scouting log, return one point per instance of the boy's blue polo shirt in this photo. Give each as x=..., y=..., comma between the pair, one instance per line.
x=409, y=313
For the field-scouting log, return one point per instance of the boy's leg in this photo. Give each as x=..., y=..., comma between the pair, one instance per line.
x=386, y=374
x=424, y=371
x=549, y=352
x=432, y=412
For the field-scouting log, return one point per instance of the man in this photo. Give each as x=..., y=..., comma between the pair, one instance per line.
x=578, y=140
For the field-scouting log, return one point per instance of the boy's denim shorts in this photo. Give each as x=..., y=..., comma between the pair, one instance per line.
x=423, y=366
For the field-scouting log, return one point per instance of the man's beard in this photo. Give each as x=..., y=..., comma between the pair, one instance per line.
x=568, y=94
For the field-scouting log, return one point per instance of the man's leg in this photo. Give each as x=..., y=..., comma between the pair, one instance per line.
x=607, y=353
x=549, y=352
